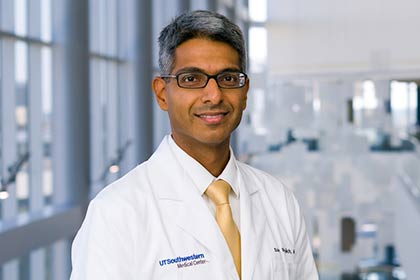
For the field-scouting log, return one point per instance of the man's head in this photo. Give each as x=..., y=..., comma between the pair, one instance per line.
x=202, y=86
x=199, y=24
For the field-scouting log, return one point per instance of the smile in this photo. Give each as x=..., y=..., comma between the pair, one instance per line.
x=212, y=118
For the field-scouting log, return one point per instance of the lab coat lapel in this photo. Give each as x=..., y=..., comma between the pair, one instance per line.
x=182, y=202
x=253, y=224
x=195, y=219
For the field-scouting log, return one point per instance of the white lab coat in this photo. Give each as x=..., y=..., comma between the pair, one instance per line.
x=153, y=224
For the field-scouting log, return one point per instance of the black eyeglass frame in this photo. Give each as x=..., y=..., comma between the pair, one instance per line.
x=242, y=76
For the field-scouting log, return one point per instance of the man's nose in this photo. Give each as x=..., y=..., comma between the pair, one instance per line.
x=212, y=92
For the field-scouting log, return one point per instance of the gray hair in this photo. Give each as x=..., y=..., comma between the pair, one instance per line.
x=199, y=24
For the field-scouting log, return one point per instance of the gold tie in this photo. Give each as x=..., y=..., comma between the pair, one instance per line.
x=218, y=192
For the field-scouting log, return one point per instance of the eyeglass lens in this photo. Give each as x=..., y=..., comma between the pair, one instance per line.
x=199, y=80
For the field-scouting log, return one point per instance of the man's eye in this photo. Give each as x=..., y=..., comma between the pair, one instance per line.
x=190, y=78
x=229, y=78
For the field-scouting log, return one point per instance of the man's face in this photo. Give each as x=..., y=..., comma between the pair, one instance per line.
x=204, y=116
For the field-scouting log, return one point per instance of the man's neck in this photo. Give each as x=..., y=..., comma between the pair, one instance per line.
x=213, y=157
x=213, y=160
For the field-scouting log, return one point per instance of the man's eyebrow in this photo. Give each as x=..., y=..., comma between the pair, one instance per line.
x=196, y=69
x=189, y=69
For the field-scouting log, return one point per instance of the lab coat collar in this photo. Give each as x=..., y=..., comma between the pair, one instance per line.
x=199, y=175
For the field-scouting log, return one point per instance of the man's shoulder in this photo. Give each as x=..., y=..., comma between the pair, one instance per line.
x=127, y=187
x=274, y=194
x=248, y=169
x=262, y=179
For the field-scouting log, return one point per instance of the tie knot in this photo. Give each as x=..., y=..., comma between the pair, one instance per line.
x=218, y=192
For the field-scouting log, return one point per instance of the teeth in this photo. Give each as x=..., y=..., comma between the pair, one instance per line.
x=211, y=116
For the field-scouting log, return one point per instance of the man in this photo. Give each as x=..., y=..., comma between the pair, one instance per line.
x=192, y=211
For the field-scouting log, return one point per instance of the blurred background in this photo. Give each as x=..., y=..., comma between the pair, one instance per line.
x=333, y=111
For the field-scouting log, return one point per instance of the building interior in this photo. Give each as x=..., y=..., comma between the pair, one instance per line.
x=333, y=111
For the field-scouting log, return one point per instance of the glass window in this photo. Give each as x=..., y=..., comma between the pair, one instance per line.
x=38, y=264
x=258, y=10
x=257, y=49
x=22, y=125
x=107, y=65
x=104, y=25
x=403, y=104
x=21, y=17
x=25, y=52
x=367, y=98
x=46, y=32
x=105, y=111
x=3, y=193
x=46, y=89
x=25, y=119
x=364, y=101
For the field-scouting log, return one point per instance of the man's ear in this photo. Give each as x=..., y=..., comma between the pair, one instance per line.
x=159, y=87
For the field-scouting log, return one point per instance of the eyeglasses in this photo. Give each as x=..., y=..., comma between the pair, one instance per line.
x=194, y=80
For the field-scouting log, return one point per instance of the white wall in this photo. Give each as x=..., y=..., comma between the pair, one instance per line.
x=312, y=36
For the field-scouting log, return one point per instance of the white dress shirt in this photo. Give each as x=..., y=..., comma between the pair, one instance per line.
x=202, y=178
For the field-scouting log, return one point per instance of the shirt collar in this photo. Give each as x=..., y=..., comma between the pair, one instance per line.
x=200, y=176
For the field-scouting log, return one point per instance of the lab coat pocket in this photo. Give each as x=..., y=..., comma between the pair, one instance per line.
x=282, y=270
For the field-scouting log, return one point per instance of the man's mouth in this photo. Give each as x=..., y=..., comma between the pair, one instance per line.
x=212, y=118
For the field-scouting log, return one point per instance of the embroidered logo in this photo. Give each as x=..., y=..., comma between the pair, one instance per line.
x=186, y=261
x=285, y=250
